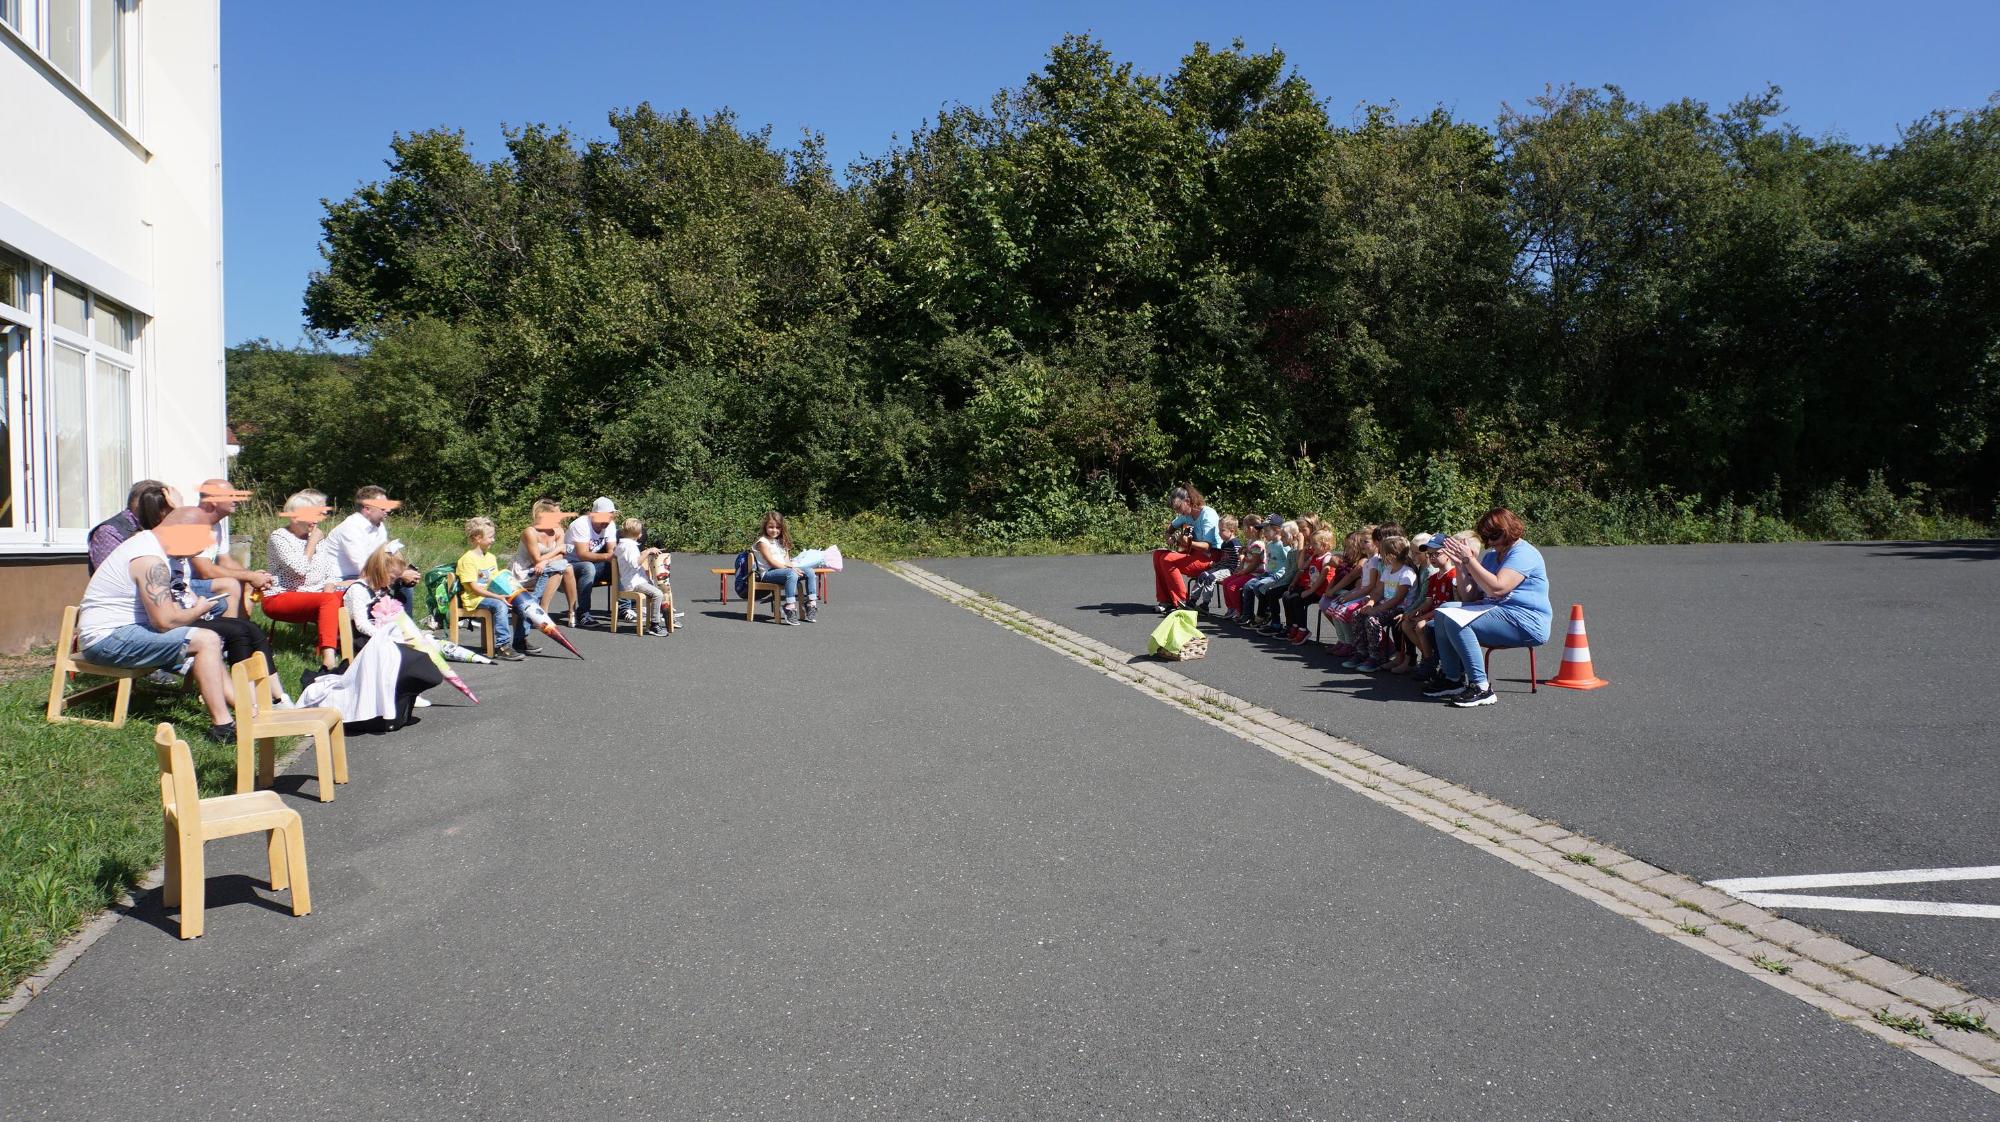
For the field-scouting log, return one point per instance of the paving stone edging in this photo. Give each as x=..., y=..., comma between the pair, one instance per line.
x=1868, y=992
x=95, y=928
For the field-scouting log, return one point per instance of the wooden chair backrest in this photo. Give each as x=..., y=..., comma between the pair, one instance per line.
x=66, y=637
x=253, y=686
x=179, y=797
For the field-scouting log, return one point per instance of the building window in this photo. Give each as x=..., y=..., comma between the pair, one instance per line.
x=85, y=39
x=69, y=378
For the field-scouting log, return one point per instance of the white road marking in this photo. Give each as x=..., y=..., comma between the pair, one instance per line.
x=1756, y=890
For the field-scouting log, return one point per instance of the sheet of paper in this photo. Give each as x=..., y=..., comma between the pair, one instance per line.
x=1462, y=613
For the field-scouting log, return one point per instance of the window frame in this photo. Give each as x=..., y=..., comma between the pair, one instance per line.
x=31, y=26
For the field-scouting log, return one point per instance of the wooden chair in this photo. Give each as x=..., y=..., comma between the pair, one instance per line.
x=759, y=587
x=460, y=615
x=641, y=605
x=259, y=725
x=1534, y=679
x=722, y=584
x=192, y=821
x=68, y=664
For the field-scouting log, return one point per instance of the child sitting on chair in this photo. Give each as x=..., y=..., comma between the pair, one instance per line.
x=638, y=570
x=477, y=568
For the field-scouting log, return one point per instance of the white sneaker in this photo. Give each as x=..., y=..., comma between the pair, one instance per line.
x=423, y=703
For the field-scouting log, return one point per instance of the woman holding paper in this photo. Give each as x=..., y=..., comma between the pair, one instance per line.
x=1503, y=602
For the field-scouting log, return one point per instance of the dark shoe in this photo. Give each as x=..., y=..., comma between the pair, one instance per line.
x=1474, y=695
x=586, y=620
x=509, y=654
x=812, y=611
x=527, y=648
x=222, y=734
x=1444, y=688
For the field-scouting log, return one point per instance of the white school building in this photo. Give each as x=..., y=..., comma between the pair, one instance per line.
x=111, y=336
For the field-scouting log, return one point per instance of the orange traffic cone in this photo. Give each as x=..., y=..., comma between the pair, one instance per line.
x=1576, y=672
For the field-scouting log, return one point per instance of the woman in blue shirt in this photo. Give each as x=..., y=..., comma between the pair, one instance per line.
x=1510, y=583
x=1192, y=539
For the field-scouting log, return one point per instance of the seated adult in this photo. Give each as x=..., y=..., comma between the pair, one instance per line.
x=588, y=550
x=360, y=534
x=1192, y=539
x=240, y=637
x=374, y=607
x=308, y=584
x=106, y=535
x=214, y=569
x=539, y=564
x=130, y=619
x=1508, y=587
x=772, y=559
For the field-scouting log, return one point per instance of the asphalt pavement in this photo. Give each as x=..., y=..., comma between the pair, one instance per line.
x=900, y=863
x=1773, y=710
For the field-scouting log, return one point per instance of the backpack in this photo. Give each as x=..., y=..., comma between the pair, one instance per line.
x=743, y=574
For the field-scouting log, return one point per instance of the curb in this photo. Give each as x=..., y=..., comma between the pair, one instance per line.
x=1897, y=1005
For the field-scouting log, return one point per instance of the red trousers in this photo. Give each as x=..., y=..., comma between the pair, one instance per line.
x=1232, y=590
x=1170, y=573
x=322, y=608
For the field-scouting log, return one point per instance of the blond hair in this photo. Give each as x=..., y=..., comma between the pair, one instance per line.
x=479, y=525
x=1323, y=540
x=382, y=568
x=631, y=528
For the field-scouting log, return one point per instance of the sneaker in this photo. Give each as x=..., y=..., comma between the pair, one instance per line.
x=1369, y=667
x=812, y=611
x=422, y=703
x=1297, y=636
x=222, y=734
x=1352, y=663
x=509, y=654
x=628, y=615
x=659, y=627
x=528, y=648
x=1473, y=695
x=585, y=620
x=1344, y=650
x=166, y=679
x=1161, y=609
x=431, y=623
x=1445, y=688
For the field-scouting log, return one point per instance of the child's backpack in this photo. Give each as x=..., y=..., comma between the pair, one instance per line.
x=743, y=574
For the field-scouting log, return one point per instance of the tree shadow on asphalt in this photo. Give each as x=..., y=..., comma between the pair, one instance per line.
x=1967, y=550
x=222, y=891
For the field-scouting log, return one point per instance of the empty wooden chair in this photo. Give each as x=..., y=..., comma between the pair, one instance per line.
x=260, y=724
x=192, y=821
x=68, y=665
x=460, y=615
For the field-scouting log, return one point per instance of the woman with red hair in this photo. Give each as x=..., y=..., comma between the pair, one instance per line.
x=1508, y=587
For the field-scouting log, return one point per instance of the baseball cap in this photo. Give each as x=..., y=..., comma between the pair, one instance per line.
x=602, y=510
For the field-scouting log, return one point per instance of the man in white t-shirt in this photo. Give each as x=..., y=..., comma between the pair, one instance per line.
x=588, y=549
x=130, y=618
x=360, y=534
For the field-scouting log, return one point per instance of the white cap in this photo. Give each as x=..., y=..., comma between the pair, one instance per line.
x=603, y=505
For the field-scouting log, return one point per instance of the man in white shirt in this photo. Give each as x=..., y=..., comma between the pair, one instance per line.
x=588, y=549
x=214, y=570
x=129, y=617
x=360, y=534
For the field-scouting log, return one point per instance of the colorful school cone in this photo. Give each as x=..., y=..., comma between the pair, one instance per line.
x=428, y=645
x=1576, y=672
x=538, y=618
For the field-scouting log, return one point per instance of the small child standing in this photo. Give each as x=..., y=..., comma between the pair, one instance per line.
x=1378, y=639
x=476, y=569
x=638, y=569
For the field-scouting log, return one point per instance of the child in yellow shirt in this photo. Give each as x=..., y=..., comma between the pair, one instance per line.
x=476, y=568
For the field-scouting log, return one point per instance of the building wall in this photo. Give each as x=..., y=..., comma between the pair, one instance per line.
x=133, y=211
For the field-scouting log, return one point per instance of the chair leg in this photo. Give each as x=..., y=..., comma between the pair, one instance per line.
x=750, y=606
x=295, y=857
x=274, y=850
x=57, y=680
x=339, y=737
x=122, y=703
x=170, y=889
x=323, y=761
x=246, y=758
x=1534, y=678
x=194, y=889
x=267, y=761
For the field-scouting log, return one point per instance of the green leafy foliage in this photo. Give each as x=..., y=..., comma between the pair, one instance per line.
x=1632, y=322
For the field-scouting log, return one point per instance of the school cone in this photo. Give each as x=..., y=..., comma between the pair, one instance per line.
x=1576, y=672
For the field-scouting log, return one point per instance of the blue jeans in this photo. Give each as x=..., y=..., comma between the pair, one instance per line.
x=135, y=646
x=1458, y=646
x=790, y=579
x=589, y=574
x=503, y=620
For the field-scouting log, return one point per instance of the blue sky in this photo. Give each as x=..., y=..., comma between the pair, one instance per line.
x=312, y=93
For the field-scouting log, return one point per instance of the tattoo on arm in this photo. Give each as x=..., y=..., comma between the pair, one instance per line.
x=158, y=584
